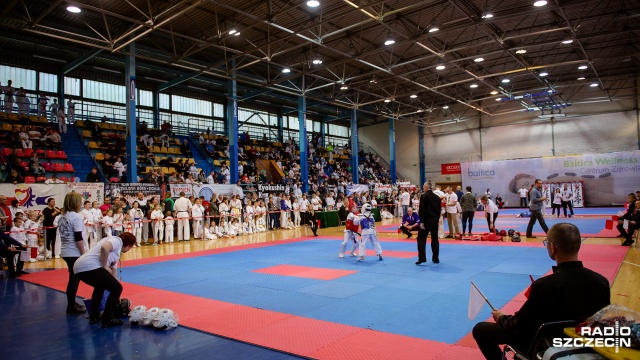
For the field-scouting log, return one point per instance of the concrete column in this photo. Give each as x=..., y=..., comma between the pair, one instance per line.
x=304, y=156
x=354, y=146
x=392, y=150
x=232, y=124
x=130, y=84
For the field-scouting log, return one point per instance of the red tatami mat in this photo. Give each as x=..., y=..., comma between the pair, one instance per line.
x=305, y=272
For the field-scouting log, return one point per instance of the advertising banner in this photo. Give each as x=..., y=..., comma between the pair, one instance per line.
x=176, y=189
x=129, y=191
x=359, y=188
x=207, y=190
x=450, y=169
x=34, y=196
x=89, y=191
x=604, y=179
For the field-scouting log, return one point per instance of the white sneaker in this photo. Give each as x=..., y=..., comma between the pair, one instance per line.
x=57, y=256
x=341, y=255
x=361, y=258
x=353, y=253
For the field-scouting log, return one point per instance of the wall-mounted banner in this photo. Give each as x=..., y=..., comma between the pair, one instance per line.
x=384, y=187
x=450, y=169
x=207, y=190
x=34, y=196
x=359, y=188
x=176, y=189
x=129, y=191
x=605, y=179
x=89, y=191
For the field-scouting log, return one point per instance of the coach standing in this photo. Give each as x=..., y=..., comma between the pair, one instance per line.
x=429, y=214
x=536, y=205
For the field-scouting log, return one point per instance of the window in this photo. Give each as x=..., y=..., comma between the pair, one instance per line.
x=218, y=110
x=190, y=105
x=338, y=130
x=165, y=101
x=145, y=98
x=72, y=86
x=292, y=122
x=19, y=77
x=103, y=91
x=48, y=82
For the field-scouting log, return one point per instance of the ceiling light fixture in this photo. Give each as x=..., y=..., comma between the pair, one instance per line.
x=373, y=81
x=313, y=3
x=550, y=90
x=505, y=81
x=594, y=85
x=420, y=110
x=390, y=40
x=499, y=99
x=73, y=9
x=487, y=15
x=473, y=86
x=478, y=59
x=387, y=100
x=344, y=87
x=582, y=67
x=434, y=28
x=445, y=107
x=232, y=31
x=521, y=51
x=581, y=78
x=568, y=41
x=544, y=74
x=413, y=96
x=237, y=33
x=440, y=67
x=286, y=70
x=317, y=61
x=494, y=92
x=540, y=3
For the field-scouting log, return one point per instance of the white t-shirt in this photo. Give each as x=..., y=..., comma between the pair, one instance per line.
x=91, y=259
x=68, y=224
x=451, y=198
x=405, y=198
x=523, y=193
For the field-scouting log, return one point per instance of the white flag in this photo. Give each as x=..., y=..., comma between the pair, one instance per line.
x=476, y=301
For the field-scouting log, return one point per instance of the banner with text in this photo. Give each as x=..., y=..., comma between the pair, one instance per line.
x=605, y=179
x=207, y=190
x=89, y=191
x=176, y=189
x=450, y=169
x=34, y=196
x=129, y=191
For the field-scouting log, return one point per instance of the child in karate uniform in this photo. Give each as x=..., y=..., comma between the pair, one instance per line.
x=32, y=226
x=107, y=223
x=97, y=219
x=118, y=220
x=367, y=223
x=158, y=224
x=249, y=218
x=168, y=227
x=136, y=216
x=350, y=233
x=210, y=231
x=223, y=228
x=87, y=214
x=295, y=205
x=197, y=212
x=18, y=233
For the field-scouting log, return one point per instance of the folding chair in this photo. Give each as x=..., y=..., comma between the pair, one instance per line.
x=541, y=342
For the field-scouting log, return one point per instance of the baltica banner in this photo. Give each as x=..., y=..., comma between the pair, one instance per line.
x=606, y=178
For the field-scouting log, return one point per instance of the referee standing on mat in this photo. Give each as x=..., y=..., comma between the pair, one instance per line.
x=429, y=213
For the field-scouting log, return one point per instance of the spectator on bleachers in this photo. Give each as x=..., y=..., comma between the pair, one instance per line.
x=184, y=149
x=151, y=158
x=202, y=178
x=52, y=138
x=62, y=120
x=8, y=91
x=71, y=110
x=54, y=110
x=25, y=142
x=34, y=164
x=164, y=140
x=54, y=180
x=14, y=178
x=147, y=140
x=173, y=178
x=93, y=175
x=119, y=167
x=107, y=165
x=14, y=160
x=166, y=128
x=96, y=130
x=42, y=105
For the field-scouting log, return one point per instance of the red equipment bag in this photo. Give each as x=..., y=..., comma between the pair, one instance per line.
x=490, y=237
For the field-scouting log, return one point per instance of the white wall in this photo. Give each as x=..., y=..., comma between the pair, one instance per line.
x=464, y=142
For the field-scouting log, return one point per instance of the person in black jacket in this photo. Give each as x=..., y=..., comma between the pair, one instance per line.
x=572, y=292
x=627, y=216
x=93, y=175
x=9, y=248
x=429, y=214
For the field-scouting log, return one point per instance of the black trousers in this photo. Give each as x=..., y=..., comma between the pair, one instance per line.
x=536, y=215
x=564, y=207
x=489, y=336
x=405, y=230
x=51, y=240
x=495, y=216
x=467, y=216
x=628, y=234
x=314, y=224
x=72, y=283
x=430, y=227
x=101, y=280
x=523, y=202
x=555, y=207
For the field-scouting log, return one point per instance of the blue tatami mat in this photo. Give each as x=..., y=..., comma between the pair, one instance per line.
x=394, y=295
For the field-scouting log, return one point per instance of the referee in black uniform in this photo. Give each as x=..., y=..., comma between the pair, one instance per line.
x=429, y=214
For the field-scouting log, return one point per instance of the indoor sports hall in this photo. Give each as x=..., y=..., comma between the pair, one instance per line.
x=234, y=138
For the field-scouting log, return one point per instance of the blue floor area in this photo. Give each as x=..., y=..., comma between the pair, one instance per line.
x=394, y=295
x=34, y=326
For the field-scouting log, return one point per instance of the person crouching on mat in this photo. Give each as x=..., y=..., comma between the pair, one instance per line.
x=367, y=223
x=350, y=233
x=98, y=268
x=491, y=212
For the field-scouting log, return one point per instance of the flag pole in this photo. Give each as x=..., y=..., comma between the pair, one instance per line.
x=484, y=297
